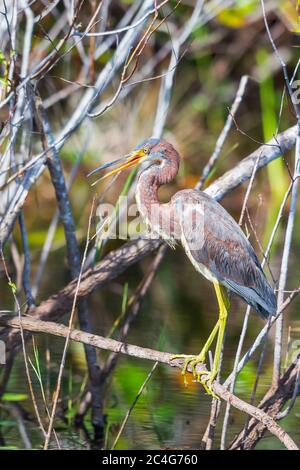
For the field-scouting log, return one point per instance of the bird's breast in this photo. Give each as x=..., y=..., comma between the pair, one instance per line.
x=160, y=218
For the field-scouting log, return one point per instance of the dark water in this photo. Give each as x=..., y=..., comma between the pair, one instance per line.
x=177, y=315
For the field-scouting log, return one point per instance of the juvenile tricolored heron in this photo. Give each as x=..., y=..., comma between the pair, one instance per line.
x=212, y=240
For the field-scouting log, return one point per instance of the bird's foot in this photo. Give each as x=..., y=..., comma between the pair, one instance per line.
x=207, y=382
x=189, y=360
x=193, y=361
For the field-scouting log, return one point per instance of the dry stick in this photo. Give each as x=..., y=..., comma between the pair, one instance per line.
x=208, y=436
x=290, y=224
x=281, y=61
x=284, y=263
x=256, y=381
x=35, y=406
x=222, y=137
x=133, y=405
x=36, y=166
x=26, y=269
x=38, y=70
x=17, y=108
x=243, y=170
x=33, y=325
x=168, y=79
x=125, y=20
x=48, y=9
x=134, y=55
x=17, y=261
x=91, y=51
x=147, y=69
x=52, y=227
x=17, y=414
x=134, y=25
x=105, y=77
x=68, y=336
x=45, y=401
x=286, y=412
x=271, y=404
x=54, y=56
x=73, y=255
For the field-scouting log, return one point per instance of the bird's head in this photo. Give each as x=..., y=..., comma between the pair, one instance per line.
x=151, y=151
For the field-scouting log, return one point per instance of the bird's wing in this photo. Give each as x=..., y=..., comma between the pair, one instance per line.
x=218, y=247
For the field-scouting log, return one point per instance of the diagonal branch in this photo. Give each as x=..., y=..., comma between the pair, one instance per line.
x=34, y=325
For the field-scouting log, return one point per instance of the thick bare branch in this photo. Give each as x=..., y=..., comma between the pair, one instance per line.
x=34, y=325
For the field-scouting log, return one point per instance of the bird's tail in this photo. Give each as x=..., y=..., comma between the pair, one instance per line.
x=267, y=309
x=262, y=298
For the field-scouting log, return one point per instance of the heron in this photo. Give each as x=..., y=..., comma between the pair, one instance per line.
x=211, y=238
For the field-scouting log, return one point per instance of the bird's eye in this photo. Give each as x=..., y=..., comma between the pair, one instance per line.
x=146, y=150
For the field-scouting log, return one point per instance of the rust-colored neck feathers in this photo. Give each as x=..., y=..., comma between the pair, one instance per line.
x=154, y=176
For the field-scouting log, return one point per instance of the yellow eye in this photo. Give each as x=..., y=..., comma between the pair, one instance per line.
x=146, y=150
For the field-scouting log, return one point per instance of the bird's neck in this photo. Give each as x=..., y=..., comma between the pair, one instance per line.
x=157, y=215
x=147, y=189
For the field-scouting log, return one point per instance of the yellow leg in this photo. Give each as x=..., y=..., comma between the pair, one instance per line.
x=223, y=301
x=194, y=360
x=219, y=328
x=209, y=341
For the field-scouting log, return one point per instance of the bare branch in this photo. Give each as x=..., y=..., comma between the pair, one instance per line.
x=34, y=325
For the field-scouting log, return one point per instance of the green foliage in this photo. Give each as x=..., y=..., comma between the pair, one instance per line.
x=13, y=287
x=4, y=69
x=236, y=17
x=246, y=378
x=270, y=101
x=36, y=237
x=12, y=396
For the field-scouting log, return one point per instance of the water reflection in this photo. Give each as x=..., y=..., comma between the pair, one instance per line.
x=176, y=316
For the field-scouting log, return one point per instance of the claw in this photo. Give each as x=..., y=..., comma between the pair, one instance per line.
x=207, y=381
x=193, y=361
x=187, y=360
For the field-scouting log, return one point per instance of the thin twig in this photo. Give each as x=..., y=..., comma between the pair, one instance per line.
x=32, y=394
x=133, y=404
x=222, y=137
x=68, y=337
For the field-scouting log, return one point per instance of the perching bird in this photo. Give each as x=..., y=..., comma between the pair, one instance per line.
x=212, y=240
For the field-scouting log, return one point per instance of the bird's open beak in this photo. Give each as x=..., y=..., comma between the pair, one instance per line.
x=121, y=164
